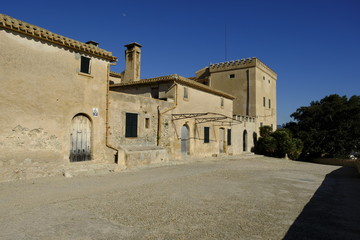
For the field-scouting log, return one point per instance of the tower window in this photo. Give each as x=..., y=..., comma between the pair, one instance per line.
x=269, y=103
x=232, y=76
x=264, y=101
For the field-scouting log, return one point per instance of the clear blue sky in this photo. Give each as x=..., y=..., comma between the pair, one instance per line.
x=314, y=46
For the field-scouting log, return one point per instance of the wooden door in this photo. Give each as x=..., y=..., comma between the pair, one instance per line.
x=185, y=140
x=80, y=139
x=221, y=140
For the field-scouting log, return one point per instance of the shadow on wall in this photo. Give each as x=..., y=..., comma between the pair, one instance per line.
x=334, y=210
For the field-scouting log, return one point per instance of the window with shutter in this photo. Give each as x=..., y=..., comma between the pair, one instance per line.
x=206, y=134
x=85, y=65
x=131, y=125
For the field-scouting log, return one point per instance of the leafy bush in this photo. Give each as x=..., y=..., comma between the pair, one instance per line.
x=278, y=143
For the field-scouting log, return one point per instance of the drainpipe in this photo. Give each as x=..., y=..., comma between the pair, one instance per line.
x=107, y=113
x=161, y=113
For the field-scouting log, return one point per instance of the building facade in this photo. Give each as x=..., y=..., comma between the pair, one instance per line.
x=53, y=97
x=61, y=104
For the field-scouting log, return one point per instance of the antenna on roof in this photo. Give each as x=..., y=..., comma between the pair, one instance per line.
x=225, y=33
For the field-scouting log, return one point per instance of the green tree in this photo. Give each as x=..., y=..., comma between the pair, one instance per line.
x=328, y=127
x=265, y=131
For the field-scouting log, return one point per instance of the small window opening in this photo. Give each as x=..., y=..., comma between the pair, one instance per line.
x=269, y=103
x=222, y=102
x=206, y=134
x=147, y=122
x=186, y=93
x=263, y=77
x=232, y=76
x=85, y=65
x=264, y=101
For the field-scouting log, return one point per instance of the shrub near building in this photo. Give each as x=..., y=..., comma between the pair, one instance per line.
x=278, y=144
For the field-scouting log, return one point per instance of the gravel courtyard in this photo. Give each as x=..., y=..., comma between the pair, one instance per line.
x=230, y=198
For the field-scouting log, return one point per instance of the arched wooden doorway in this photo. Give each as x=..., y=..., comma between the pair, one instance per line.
x=245, y=143
x=185, y=139
x=80, y=139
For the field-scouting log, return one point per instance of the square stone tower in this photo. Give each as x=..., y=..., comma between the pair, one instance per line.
x=251, y=82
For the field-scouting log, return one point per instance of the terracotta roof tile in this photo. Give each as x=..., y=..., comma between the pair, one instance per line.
x=13, y=24
x=178, y=79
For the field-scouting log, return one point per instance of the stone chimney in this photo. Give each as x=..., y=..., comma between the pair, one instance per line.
x=132, y=57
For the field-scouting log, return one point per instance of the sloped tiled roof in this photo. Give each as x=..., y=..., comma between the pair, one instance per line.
x=178, y=79
x=13, y=24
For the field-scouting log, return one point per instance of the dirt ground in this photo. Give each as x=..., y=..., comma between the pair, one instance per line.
x=232, y=198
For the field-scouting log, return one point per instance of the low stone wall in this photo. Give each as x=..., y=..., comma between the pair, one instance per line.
x=137, y=156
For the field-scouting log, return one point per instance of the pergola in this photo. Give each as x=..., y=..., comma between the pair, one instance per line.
x=207, y=117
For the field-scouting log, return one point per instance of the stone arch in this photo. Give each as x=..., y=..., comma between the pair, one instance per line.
x=185, y=140
x=245, y=141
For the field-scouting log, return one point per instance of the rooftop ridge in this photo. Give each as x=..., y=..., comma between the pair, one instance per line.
x=179, y=79
x=16, y=25
x=241, y=63
x=233, y=63
x=115, y=74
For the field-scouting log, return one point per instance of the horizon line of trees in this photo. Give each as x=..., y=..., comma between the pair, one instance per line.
x=327, y=128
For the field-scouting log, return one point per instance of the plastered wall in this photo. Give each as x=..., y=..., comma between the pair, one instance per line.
x=42, y=90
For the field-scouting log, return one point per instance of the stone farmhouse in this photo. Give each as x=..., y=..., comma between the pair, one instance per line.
x=62, y=106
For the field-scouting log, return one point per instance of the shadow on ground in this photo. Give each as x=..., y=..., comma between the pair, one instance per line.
x=334, y=210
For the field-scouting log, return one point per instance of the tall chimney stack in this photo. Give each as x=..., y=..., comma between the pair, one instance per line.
x=132, y=57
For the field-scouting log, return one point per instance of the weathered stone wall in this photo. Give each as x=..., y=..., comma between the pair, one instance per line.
x=120, y=104
x=143, y=149
x=41, y=91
